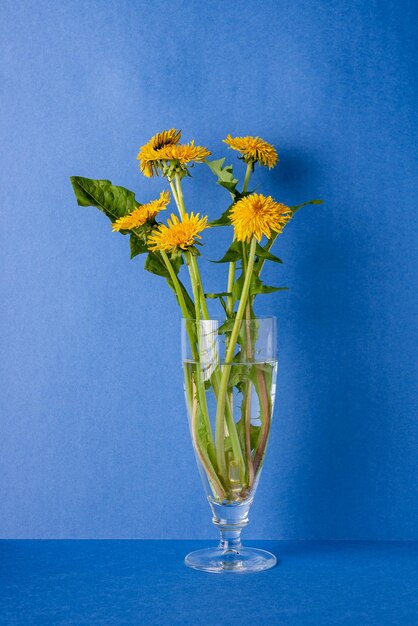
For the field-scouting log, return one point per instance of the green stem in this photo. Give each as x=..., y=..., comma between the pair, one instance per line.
x=264, y=398
x=191, y=261
x=196, y=287
x=181, y=300
x=203, y=456
x=173, y=191
x=268, y=247
x=231, y=279
x=261, y=261
x=180, y=197
x=265, y=409
x=246, y=408
x=223, y=387
x=192, y=264
x=231, y=271
x=247, y=395
x=244, y=256
x=176, y=284
x=247, y=176
x=201, y=391
x=198, y=278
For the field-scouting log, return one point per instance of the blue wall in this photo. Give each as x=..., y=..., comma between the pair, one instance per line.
x=94, y=439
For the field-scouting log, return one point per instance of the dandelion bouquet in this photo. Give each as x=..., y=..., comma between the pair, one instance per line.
x=229, y=363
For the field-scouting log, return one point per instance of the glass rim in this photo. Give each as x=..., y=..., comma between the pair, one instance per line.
x=224, y=319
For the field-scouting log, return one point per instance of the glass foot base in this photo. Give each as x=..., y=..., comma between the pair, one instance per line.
x=241, y=561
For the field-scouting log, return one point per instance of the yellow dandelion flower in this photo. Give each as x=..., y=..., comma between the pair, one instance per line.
x=254, y=149
x=178, y=234
x=257, y=215
x=184, y=153
x=148, y=153
x=142, y=214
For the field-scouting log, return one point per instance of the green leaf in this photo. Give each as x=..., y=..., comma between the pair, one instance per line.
x=113, y=201
x=156, y=265
x=137, y=246
x=254, y=434
x=205, y=440
x=224, y=304
x=256, y=287
x=265, y=254
x=225, y=174
x=237, y=288
x=227, y=444
x=227, y=326
x=296, y=208
x=218, y=295
x=234, y=253
x=223, y=220
x=188, y=300
x=262, y=288
x=239, y=374
x=266, y=369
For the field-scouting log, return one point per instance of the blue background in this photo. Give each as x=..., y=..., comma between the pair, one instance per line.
x=94, y=439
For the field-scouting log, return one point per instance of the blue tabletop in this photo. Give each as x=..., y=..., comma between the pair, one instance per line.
x=145, y=582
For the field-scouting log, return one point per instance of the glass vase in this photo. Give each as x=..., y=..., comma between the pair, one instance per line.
x=230, y=392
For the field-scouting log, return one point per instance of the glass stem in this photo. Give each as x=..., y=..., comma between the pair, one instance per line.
x=230, y=539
